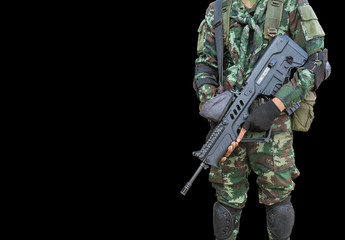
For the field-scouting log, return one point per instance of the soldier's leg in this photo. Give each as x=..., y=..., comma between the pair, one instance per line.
x=226, y=221
x=230, y=181
x=274, y=164
x=280, y=219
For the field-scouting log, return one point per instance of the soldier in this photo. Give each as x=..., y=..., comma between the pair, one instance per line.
x=273, y=162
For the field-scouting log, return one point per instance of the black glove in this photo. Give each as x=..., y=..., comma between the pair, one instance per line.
x=262, y=117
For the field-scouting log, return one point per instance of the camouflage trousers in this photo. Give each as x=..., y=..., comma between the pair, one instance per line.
x=272, y=162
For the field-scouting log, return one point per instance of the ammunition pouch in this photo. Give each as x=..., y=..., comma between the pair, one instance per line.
x=303, y=117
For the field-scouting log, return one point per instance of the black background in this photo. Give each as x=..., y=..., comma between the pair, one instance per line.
x=317, y=196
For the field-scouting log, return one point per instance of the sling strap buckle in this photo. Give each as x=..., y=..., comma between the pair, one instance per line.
x=272, y=32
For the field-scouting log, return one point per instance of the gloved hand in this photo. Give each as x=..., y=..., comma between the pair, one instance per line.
x=261, y=119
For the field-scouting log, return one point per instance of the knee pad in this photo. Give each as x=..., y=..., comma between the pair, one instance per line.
x=280, y=219
x=224, y=220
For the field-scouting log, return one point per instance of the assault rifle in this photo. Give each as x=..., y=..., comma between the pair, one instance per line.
x=267, y=77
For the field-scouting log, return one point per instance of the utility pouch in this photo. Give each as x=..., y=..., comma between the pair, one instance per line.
x=215, y=108
x=303, y=117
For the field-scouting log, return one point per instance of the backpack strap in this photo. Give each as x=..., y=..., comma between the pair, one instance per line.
x=273, y=18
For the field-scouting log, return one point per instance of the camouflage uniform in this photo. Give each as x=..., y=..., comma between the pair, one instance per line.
x=273, y=162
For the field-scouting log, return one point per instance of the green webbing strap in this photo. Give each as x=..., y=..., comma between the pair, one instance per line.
x=222, y=9
x=226, y=6
x=273, y=18
x=218, y=31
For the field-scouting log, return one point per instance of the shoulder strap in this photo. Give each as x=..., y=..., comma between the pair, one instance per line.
x=273, y=18
x=226, y=6
x=218, y=30
x=221, y=27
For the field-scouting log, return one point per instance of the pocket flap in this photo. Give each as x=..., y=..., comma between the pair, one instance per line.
x=307, y=13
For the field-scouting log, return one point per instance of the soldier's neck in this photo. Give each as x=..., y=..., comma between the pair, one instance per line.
x=249, y=3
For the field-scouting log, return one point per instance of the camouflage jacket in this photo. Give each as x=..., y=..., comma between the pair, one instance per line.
x=246, y=45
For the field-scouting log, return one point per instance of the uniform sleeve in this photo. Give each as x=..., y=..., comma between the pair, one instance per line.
x=307, y=32
x=206, y=79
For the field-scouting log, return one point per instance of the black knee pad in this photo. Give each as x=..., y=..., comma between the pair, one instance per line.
x=280, y=219
x=224, y=220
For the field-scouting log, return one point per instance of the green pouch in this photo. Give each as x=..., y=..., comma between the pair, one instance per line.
x=302, y=119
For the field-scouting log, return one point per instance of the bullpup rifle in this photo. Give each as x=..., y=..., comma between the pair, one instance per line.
x=267, y=77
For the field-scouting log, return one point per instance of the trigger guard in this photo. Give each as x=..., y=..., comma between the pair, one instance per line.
x=264, y=139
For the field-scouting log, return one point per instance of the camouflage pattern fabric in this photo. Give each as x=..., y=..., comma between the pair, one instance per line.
x=273, y=162
x=251, y=22
x=244, y=49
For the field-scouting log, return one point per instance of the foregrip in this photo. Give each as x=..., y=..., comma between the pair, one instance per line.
x=217, y=144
